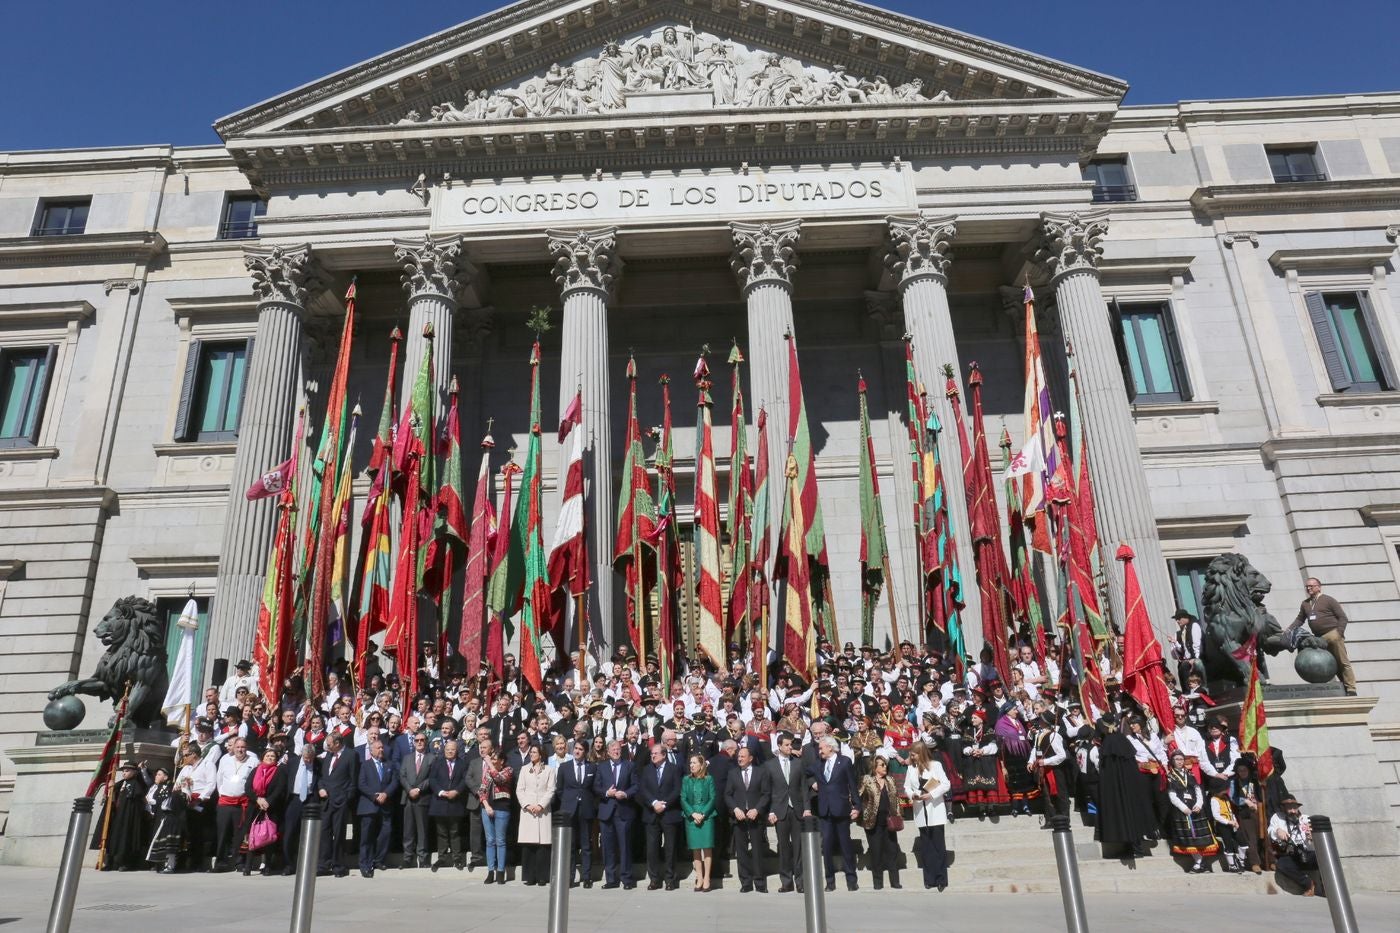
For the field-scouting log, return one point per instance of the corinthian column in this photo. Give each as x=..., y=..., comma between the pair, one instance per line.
x=434, y=272
x=1070, y=249
x=586, y=269
x=283, y=278
x=919, y=256
x=764, y=261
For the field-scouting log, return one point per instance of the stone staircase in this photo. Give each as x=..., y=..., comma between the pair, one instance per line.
x=1014, y=855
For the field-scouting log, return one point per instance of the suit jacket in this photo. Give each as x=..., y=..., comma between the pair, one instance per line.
x=720, y=767
x=667, y=790
x=439, y=781
x=339, y=782
x=757, y=796
x=611, y=808
x=836, y=798
x=702, y=741
x=577, y=797
x=761, y=749
x=370, y=784
x=403, y=747
x=504, y=729
x=791, y=795
x=411, y=776
x=289, y=775
x=474, y=771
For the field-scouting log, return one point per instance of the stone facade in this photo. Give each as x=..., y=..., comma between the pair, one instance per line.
x=717, y=212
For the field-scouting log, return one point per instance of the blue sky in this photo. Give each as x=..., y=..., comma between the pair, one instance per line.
x=77, y=73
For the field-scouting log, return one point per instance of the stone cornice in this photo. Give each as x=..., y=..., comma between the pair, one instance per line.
x=1332, y=258
x=1371, y=193
x=530, y=35
x=182, y=566
x=140, y=246
x=1153, y=267
x=1201, y=526
x=58, y=497
x=214, y=305
x=1387, y=513
x=44, y=312
x=1326, y=445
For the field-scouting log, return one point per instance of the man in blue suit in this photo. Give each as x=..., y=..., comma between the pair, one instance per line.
x=337, y=792
x=578, y=799
x=837, y=803
x=378, y=786
x=659, y=790
x=615, y=783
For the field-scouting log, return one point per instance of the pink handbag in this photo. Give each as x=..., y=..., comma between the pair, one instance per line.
x=262, y=833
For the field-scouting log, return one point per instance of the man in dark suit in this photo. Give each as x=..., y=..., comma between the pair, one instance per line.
x=789, y=798
x=475, y=832
x=702, y=739
x=836, y=803
x=760, y=748
x=577, y=798
x=659, y=790
x=337, y=791
x=447, y=783
x=415, y=797
x=303, y=781
x=719, y=768
x=747, y=798
x=615, y=783
x=505, y=724
x=378, y=786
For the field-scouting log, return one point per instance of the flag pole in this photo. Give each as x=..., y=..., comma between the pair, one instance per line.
x=111, y=778
x=889, y=600
x=581, y=620
x=763, y=647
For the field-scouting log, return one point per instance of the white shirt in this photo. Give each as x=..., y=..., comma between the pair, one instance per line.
x=228, y=693
x=233, y=775
x=1190, y=742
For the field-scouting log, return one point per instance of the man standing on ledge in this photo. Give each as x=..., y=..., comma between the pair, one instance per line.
x=1327, y=621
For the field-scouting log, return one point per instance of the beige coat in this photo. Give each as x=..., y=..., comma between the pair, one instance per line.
x=535, y=790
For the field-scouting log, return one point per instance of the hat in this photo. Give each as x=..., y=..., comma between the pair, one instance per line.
x=244, y=665
x=597, y=706
x=621, y=703
x=129, y=766
x=1110, y=681
x=649, y=701
x=203, y=724
x=1289, y=801
x=1182, y=614
x=850, y=646
x=979, y=714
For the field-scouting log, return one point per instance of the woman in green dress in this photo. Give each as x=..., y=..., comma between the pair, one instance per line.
x=698, y=805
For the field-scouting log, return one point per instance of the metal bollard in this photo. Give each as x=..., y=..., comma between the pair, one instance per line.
x=561, y=873
x=1330, y=865
x=308, y=852
x=66, y=890
x=1070, y=891
x=813, y=874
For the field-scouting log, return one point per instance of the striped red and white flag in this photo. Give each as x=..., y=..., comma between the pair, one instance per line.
x=568, y=554
x=710, y=631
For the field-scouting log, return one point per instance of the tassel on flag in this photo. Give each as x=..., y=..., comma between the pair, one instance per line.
x=373, y=576
x=710, y=627
x=1039, y=432
x=274, y=643
x=527, y=542
x=872, y=525
x=569, y=575
x=739, y=619
x=800, y=446
x=792, y=567
x=1144, y=674
x=636, y=520
x=758, y=592
x=320, y=559
x=483, y=529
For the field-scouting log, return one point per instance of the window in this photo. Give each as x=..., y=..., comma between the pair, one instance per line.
x=1189, y=580
x=63, y=218
x=169, y=609
x=211, y=397
x=1295, y=163
x=1111, y=180
x=24, y=387
x=1150, y=353
x=1348, y=336
x=241, y=215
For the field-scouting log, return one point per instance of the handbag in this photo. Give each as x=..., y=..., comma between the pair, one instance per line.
x=894, y=822
x=262, y=833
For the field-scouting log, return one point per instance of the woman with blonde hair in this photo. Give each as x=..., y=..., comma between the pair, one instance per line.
x=879, y=814
x=926, y=784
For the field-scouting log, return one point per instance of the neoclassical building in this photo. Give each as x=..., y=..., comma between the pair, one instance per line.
x=667, y=174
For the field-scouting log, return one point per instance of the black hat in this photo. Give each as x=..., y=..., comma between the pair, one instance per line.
x=203, y=724
x=1182, y=614
x=649, y=700
x=244, y=665
x=129, y=765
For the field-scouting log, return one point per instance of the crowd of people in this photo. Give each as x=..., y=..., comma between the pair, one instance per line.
x=469, y=773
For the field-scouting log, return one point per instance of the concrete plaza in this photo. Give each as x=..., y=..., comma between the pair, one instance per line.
x=450, y=902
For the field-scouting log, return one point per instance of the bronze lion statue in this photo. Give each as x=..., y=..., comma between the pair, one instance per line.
x=135, y=640
x=1233, y=606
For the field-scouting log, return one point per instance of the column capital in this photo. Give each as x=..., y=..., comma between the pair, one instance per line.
x=1230, y=239
x=764, y=253
x=585, y=260
x=282, y=274
x=434, y=266
x=1071, y=242
x=920, y=247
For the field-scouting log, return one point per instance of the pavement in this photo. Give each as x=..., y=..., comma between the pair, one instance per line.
x=143, y=902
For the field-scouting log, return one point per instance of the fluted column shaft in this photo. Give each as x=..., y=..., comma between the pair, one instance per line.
x=1123, y=500
x=282, y=279
x=586, y=270
x=434, y=271
x=764, y=261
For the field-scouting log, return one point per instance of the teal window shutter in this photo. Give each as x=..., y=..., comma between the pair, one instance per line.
x=1383, y=359
x=185, y=430
x=1337, y=371
x=24, y=386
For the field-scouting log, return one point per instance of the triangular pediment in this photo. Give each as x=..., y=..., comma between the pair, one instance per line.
x=579, y=58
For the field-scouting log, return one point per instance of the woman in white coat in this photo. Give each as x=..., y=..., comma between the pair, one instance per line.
x=925, y=784
x=535, y=791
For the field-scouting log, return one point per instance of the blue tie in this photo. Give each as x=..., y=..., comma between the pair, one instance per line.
x=379, y=766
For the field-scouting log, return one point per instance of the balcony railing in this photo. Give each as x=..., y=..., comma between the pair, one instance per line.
x=1108, y=194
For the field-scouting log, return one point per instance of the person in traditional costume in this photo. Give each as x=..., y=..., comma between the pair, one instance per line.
x=899, y=736
x=982, y=787
x=1049, y=763
x=867, y=741
x=167, y=808
x=1021, y=785
x=1290, y=832
x=1231, y=832
x=121, y=834
x=1125, y=809
x=1191, y=831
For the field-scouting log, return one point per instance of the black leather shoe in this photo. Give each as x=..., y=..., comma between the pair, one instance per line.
x=896, y=885
x=785, y=889
x=610, y=885
x=288, y=870
x=672, y=885
x=575, y=884
x=587, y=884
x=323, y=873
x=366, y=872
x=341, y=872
x=653, y=885
x=831, y=885
x=760, y=888
x=745, y=889
x=852, y=885
x=628, y=885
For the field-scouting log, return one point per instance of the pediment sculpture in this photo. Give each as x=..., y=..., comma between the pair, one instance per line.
x=675, y=59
